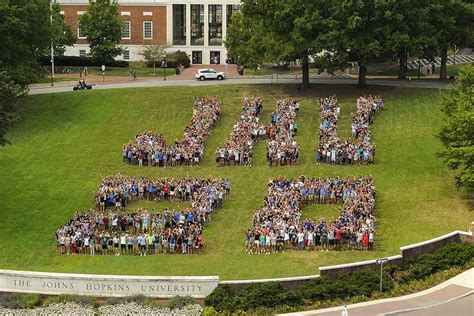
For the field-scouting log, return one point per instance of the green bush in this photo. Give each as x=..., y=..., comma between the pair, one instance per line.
x=80, y=299
x=178, y=58
x=259, y=295
x=220, y=299
x=181, y=301
x=139, y=298
x=20, y=301
x=358, y=286
x=81, y=62
x=453, y=254
x=112, y=301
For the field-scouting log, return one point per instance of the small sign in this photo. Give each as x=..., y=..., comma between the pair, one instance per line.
x=103, y=67
x=381, y=261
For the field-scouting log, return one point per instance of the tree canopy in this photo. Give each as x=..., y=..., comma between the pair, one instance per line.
x=359, y=31
x=457, y=133
x=62, y=33
x=103, y=26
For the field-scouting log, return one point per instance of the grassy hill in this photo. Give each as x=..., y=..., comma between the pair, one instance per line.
x=64, y=142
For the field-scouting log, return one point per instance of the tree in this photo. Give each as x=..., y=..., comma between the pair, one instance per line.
x=406, y=30
x=154, y=54
x=62, y=34
x=276, y=31
x=457, y=133
x=357, y=36
x=9, y=95
x=102, y=25
x=25, y=32
x=453, y=21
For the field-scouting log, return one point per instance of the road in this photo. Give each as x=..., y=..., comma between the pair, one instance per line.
x=67, y=86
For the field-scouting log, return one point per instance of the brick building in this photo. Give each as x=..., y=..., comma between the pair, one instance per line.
x=197, y=27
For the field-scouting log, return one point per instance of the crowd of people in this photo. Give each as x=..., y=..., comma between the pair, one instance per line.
x=150, y=148
x=331, y=148
x=238, y=149
x=282, y=148
x=279, y=224
x=114, y=229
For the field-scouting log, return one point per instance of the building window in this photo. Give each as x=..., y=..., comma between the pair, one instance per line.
x=126, y=30
x=231, y=8
x=197, y=24
x=215, y=24
x=179, y=24
x=147, y=30
x=126, y=54
x=197, y=57
x=82, y=53
x=80, y=35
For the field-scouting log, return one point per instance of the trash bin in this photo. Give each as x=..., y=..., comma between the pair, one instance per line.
x=177, y=70
x=240, y=70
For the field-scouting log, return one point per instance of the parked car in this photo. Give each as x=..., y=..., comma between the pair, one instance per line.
x=203, y=74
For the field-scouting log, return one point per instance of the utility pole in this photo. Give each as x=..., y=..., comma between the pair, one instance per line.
x=52, y=44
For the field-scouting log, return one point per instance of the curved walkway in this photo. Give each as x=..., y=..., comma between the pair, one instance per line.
x=67, y=86
x=453, y=297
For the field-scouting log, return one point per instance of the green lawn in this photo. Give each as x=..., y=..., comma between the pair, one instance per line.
x=64, y=142
x=125, y=72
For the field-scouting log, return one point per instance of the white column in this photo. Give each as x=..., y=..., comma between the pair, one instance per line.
x=169, y=24
x=224, y=22
x=188, y=24
x=206, y=25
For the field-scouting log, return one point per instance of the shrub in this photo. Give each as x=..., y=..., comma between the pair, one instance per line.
x=139, y=298
x=449, y=255
x=17, y=301
x=178, y=302
x=112, y=301
x=81, y=61
x=80, y=299
x=220, y=299
x=178, y=58
x=259, y=295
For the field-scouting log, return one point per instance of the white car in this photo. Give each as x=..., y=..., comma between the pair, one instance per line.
x=203, y=74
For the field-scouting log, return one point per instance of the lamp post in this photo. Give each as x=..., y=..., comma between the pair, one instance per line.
x=103, y=73
x=52, y=45
x=164, y=65
x=381, y=262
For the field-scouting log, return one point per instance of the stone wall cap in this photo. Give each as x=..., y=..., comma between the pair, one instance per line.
x=108, y=277
x=427, y=242
x=300, y=278
x=358, y=263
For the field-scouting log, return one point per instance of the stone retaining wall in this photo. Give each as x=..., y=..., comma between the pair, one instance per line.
x=198, y=287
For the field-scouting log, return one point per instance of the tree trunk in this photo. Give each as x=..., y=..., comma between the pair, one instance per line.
x=444, y=59
x=402, y=67
x=362, y=76
x=305, y=70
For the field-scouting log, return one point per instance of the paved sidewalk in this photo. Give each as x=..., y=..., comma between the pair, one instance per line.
x=453, y=297
x=67, y=86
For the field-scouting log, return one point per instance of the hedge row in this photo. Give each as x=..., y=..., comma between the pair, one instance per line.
x=81, y=62
x=363, y=283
